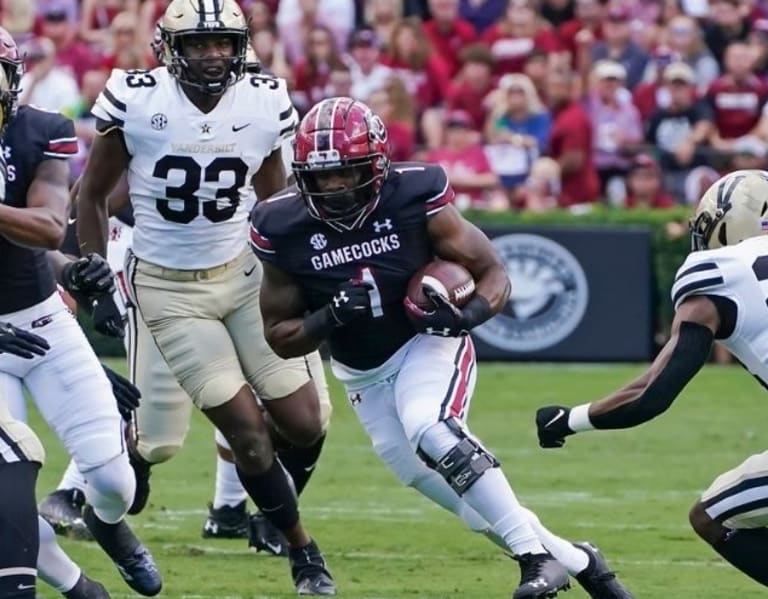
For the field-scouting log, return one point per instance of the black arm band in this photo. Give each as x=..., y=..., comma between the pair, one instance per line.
x=691, y=351
x=320, y=324
x=476, y=312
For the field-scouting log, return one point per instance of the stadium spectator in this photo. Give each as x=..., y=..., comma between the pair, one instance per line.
x=369, y=74
x=464, y=160
x=470, y=88
x=424, y=73
x=70, y=8
x=577, y=36
x=517, y=130
x=59, y=26
x=271, y=54
x=260, y=17
x=297, y=19
x=645, y=187
x=616, y=126
x=518, y=33
x=18, y=18
x=679, y=132
x=557, y=12
x=397, y=109
x=535, y=68
x=758, y=41
x=726, y=24
x=150, y=12
x=570, y=140
x=311, y=74
x=482, y=13
x=448, y=33
x=737, y=98
x=684, y=38
x=97, y=16
x=125, y=48
x=45, y=84
x=650, y=95
x=541, y=191
x=617, y=45
x=383, y=17
x=339, y=82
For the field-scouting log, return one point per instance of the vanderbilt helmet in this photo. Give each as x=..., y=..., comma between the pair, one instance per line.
x=185, y=19
x=342, y=136
x=10, y=77
x=733, y=209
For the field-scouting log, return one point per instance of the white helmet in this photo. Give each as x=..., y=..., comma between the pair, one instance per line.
x=187, y=18
x=733, y=209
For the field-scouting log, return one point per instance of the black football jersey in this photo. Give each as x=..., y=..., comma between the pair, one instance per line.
x=390, y=246
x=32, y=136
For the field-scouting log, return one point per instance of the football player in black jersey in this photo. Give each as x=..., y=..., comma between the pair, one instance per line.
x=339, y=249
x=719, y=295
x=68, y=384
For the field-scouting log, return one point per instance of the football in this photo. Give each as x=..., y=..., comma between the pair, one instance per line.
x=449, y=279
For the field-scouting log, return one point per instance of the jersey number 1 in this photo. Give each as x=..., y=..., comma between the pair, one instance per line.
x=366, y=274
x=193, y=175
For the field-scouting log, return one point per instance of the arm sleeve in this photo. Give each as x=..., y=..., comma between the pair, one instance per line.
x=111, y=107
x=62, y=142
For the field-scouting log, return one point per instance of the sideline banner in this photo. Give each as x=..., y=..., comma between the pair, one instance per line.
x=578, y=295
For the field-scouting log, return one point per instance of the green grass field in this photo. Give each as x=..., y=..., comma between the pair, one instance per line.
x=628, y=491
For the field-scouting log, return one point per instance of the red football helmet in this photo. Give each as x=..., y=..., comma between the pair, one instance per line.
x=341, y=158
x=13, y=69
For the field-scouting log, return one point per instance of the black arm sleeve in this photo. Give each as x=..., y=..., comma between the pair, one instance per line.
x=691, y=351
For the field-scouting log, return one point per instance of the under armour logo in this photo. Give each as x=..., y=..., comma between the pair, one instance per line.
x=342, y=298
x=384, y=226
x=355, y=399
x=7, y=152
x=444, y=332
x=318, y=241
x=538, y=583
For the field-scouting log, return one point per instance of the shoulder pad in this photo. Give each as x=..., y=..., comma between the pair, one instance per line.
x=700, y=274
x=273, y=95
x=272, y=216
x=427, y=183
x=119, y=93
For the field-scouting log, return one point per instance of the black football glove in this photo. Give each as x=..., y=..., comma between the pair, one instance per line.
x=444, y=320
x=552, y=426
x=351, y=301
x=21, y=343
x=125, y=392
x=89, y=276
x=107, y=319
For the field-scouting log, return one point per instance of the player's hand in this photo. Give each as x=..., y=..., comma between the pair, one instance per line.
x=21, y=343
x=552, y=426
x=351, y=301
x=444, y=320
x=90, y=276
x=125, y=392
x=107, y=319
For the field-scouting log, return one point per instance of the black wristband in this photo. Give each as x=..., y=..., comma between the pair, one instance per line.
x=476, y=312
x=320, y=324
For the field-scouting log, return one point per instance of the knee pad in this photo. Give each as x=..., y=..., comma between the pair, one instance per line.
x=110, y=488
x=462, y=459
x=157, y=454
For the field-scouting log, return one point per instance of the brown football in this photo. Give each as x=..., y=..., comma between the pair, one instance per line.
x=449, y=279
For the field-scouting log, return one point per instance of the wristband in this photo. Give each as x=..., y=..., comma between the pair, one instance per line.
x=578, y=419
x=476, y=312
x=320, y=324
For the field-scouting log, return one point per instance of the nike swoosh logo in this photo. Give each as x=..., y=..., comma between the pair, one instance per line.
x=310, y=468
x=22, y=587
x=235, y=128
x=274, y=547
x=71, y=221
x=247, y=273
x=557, y=417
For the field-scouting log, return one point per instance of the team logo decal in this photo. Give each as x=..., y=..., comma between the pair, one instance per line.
x=549, y=295
x=318, y=241
x=158, y=121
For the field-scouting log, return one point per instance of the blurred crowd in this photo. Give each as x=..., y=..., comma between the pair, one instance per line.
x=528, y=104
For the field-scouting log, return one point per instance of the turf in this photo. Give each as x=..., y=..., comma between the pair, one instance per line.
x=627, y=491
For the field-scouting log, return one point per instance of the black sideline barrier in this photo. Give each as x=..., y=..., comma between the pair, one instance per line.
x=578, y=295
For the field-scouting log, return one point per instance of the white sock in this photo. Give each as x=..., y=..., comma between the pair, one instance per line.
x=573, y=559
x=490, y=496
x=72, y=479
x=54, y=567
x=229, y=489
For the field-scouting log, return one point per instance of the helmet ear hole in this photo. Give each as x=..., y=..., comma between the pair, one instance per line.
x=722, y=235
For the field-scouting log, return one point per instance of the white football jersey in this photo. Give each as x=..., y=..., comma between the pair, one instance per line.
x=190, y=172
x=739, y=273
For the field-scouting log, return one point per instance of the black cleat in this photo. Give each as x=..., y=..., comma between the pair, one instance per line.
x=134, y=562
x=226, y=522
x=263, y=536
x=597, y=579
x=309, y=571
x=541, y=576
x=142, y=470
x=85, y=588
x=63, y=510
